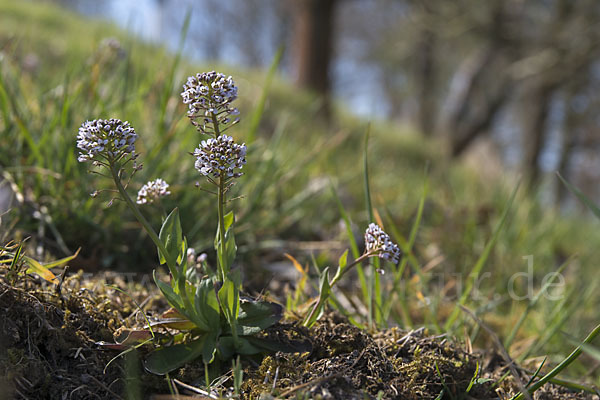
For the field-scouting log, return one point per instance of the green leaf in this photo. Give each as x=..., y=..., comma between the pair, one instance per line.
x=230, y=248
x=228, y=219
x=173, y=299
x=342, y=263
x=250, y=345
x=227, y=347
x=207, y=305
x=256, y=316
x=169, y=358
x=226, y=253
x=61, y=261
x=182, y=256
x=171, y=237
x=290, y=346
x=584, y=199
x=229, y=295
x=324, y=291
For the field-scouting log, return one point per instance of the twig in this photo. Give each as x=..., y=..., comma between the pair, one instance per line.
x=195, y=389
x=309, y=383
x=103, y=386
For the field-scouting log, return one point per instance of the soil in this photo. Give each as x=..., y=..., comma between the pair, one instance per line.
x=49, y=349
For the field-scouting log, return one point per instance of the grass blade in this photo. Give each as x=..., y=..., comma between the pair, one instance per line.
x=474, y=275
x=353, y=245
x=260, y=107
x=584, y=199
x=374, y=282
x=564, y=364
x=532, y=303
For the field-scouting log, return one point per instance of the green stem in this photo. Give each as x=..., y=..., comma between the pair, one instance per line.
x=323, y=298
x=138, y=215
x=337, y=277
x=222, y=269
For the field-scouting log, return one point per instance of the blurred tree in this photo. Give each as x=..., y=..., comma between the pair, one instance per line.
x=313, y=46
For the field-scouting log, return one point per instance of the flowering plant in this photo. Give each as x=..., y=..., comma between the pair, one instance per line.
x=377, y=244
x=210, y=307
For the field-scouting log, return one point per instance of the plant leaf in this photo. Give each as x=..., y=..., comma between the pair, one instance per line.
x=173, y=298
x=207, y=304
x=324, y=291
x=171, y=237
x=342, y=262
x=229, y=295
x=34, y=266
x=256, y=316
x=168, y=358
x=227, y=347
x=230, y=247
x=228, y=219
x=291, y=346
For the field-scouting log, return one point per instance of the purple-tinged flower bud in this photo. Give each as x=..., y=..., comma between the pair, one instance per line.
x=153, y=190
x=377, y=241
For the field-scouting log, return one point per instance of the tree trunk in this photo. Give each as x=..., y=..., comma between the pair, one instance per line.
x=425, y=75
x=539, y=101
x=313, y=46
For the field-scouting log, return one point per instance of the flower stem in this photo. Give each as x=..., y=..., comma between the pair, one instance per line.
x=222, y=269
x=338, y=276
x=322, y=300
x=138, y=215
x=222, y=265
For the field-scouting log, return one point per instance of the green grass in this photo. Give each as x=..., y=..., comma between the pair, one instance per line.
x=448, y=233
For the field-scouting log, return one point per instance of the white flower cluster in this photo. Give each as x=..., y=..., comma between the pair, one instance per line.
x=208, y=95
x=152, y=190
x=110, y=138
x=220, y=155
x=376, y=240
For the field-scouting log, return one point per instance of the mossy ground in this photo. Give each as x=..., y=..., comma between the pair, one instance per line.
x=49, y=350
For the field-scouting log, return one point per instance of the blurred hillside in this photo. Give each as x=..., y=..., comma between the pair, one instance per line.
x=519, y=76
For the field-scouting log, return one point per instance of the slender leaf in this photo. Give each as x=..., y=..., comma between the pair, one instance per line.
x=171, y=237
x=260, y=107
x=584, y=199
x=474, y=275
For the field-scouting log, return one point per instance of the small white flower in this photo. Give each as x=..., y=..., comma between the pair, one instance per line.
x=111, y=139
x=376, y=240
x=220, y=156
x=153, y=190
x=209, y=95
